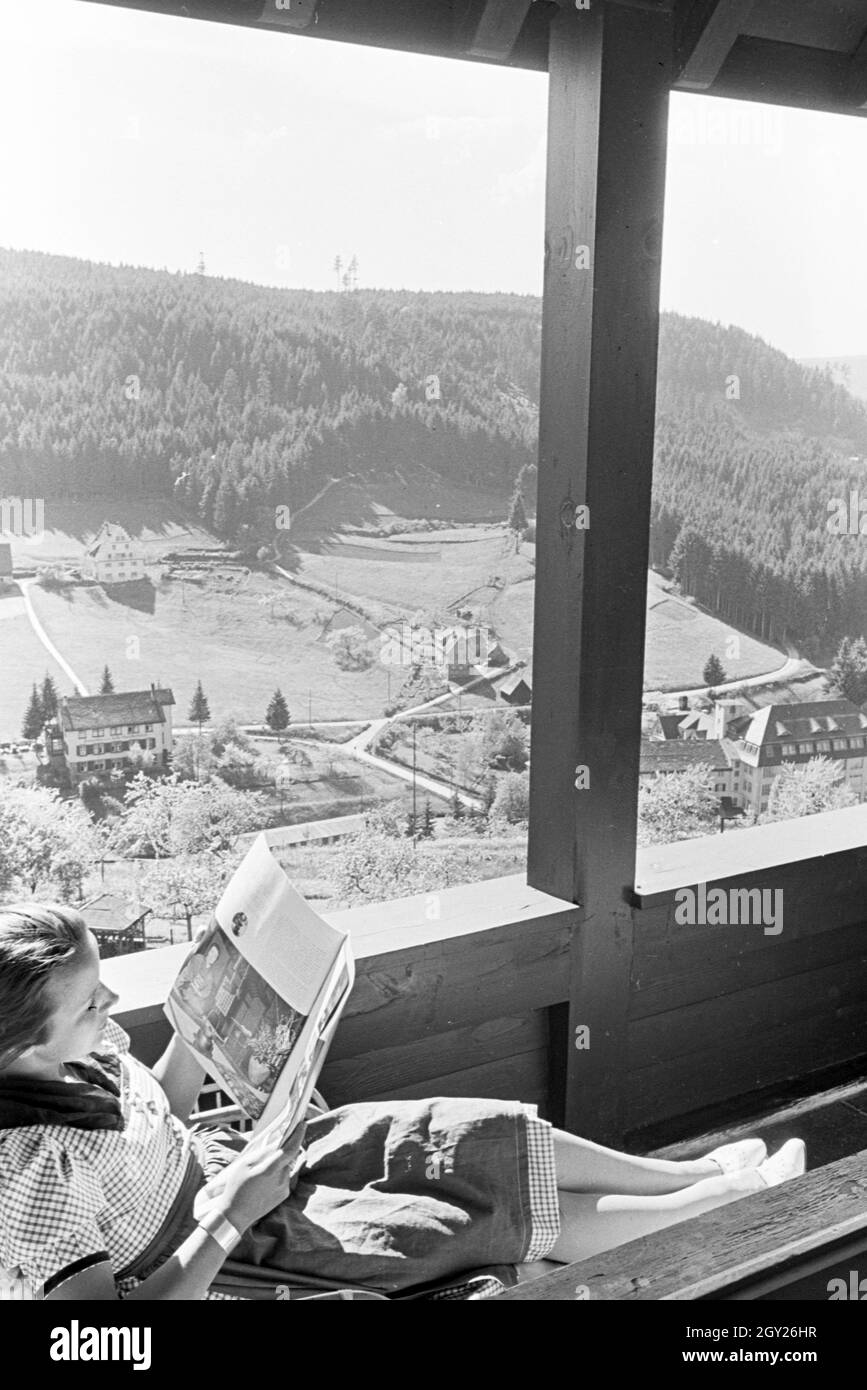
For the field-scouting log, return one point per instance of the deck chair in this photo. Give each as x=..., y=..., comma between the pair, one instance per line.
x=246, y=1283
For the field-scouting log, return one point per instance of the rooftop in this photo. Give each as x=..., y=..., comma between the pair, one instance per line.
x=675, y=755
x=108, y=531
x=107, y=711
x=804, y=721
x=109, y=912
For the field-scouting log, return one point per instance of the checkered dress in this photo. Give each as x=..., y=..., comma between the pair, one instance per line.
x=75, y=1197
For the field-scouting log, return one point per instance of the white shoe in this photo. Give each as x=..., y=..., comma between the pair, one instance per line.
x=734, y=1158
x=788, y=1162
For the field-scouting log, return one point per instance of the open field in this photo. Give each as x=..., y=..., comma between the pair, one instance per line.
x=479, y=565
x=71, y=524
x=177, y=633
x=414, y=494
x=681, y=637
x=325, y=781
x=23, y=660
x=430, y=573
x=245, y=633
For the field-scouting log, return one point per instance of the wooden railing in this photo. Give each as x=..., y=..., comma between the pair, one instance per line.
x=454, y=994
x=716, y=1013
x=463, y=992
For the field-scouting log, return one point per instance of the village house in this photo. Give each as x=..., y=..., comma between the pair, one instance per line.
x=112, y=557
x=747, y=750
x=781, y=734
x=118, y=927
x=96, y=733
x=677, y=755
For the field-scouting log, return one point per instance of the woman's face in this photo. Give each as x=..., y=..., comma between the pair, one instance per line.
x=80, y=1008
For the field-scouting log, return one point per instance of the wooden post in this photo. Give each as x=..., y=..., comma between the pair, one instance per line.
x=609, y=71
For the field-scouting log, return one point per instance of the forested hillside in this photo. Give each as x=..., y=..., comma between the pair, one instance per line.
x=743, y=483
x=232, y=399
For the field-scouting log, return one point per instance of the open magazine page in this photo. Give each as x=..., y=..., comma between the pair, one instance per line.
x=297, y=1082
x=249, y=997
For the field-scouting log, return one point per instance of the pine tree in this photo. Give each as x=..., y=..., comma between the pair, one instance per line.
x=200, y=711
x=713, y=673
x=517, y=518
x=411, y=830
x=457, y=807
x=277, y=713
x=107, y=686
x=848, y=673
x=427, y=828
x=33, y=719
x=48, y=697
x=226, y=508
x=338, y=264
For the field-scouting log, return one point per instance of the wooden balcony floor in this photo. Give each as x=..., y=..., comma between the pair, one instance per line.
x=832, y=1123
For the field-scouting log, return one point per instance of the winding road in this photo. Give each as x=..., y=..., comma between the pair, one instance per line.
x=23, y=586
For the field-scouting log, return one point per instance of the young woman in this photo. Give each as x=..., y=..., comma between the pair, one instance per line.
x=105, y=1192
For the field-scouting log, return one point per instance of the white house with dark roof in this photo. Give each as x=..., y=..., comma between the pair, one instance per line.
x=112, y=557
x=679, y=755
x=781, y=734
x=96, y=733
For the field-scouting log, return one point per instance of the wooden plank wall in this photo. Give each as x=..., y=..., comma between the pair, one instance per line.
x=470, y=1004
x=465, y=1016
x=718, y=1012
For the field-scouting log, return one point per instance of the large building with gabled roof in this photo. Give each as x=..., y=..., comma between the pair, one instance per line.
x=781, y=734
x=94, y=734
x=111, y=557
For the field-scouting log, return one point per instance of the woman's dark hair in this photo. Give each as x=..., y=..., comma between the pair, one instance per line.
x=35, y=938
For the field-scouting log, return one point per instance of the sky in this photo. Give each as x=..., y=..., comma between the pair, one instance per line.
x=145, y=140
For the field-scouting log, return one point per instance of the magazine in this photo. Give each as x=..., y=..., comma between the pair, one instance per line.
x=260, y=996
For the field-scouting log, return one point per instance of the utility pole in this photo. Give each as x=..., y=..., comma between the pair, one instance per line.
x=414, y=821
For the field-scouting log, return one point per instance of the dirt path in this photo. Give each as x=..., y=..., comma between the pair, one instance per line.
x=24, y=585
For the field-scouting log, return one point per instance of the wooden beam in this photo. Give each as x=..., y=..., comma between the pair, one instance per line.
x=857, y=75
x=787, y=74
x=498, y=28
x=714, y=44
x=608, y=110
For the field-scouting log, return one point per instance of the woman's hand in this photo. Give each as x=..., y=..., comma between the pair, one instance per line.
x=257, y=1181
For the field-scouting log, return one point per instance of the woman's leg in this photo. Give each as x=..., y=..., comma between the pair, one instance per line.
x=583, y=1166
x=589, y=1224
